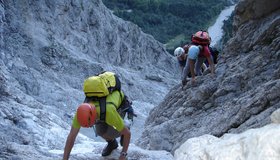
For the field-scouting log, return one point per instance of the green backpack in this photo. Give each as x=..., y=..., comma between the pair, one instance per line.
x=98, y=87
x=101, y=85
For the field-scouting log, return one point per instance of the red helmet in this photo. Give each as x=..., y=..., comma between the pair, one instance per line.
x=86, y=115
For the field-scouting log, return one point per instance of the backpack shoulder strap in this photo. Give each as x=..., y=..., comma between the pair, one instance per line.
x=102, y=104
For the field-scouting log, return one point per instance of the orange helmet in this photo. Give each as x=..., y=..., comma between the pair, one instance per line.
x=86, y=115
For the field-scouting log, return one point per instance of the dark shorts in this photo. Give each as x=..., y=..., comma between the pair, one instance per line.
x=104, y=130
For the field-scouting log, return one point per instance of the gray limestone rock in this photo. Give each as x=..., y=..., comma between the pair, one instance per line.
x=242, y=95
x=48, y=48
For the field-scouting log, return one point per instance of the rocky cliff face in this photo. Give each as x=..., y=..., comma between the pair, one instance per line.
x=48, y=47
x=242, y=95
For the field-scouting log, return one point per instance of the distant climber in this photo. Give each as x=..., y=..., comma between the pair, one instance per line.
x=104, y=108
x=197, y=53
x=182, y=54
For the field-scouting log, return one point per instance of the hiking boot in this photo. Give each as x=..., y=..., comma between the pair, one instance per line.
x=121, y=140
x=113, y=144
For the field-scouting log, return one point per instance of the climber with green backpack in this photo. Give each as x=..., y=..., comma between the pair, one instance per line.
x=104, y=108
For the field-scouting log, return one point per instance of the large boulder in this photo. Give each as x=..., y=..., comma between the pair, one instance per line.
x=253, y=144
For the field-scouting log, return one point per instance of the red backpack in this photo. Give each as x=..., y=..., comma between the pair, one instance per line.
x=201, y=37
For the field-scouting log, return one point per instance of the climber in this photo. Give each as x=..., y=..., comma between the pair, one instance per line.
x=182, y=54
x=103, y=112
x=86, y=116
x=197, y=53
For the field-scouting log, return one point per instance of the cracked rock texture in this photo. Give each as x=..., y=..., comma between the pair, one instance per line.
x=48, y=48
x=243, y=93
